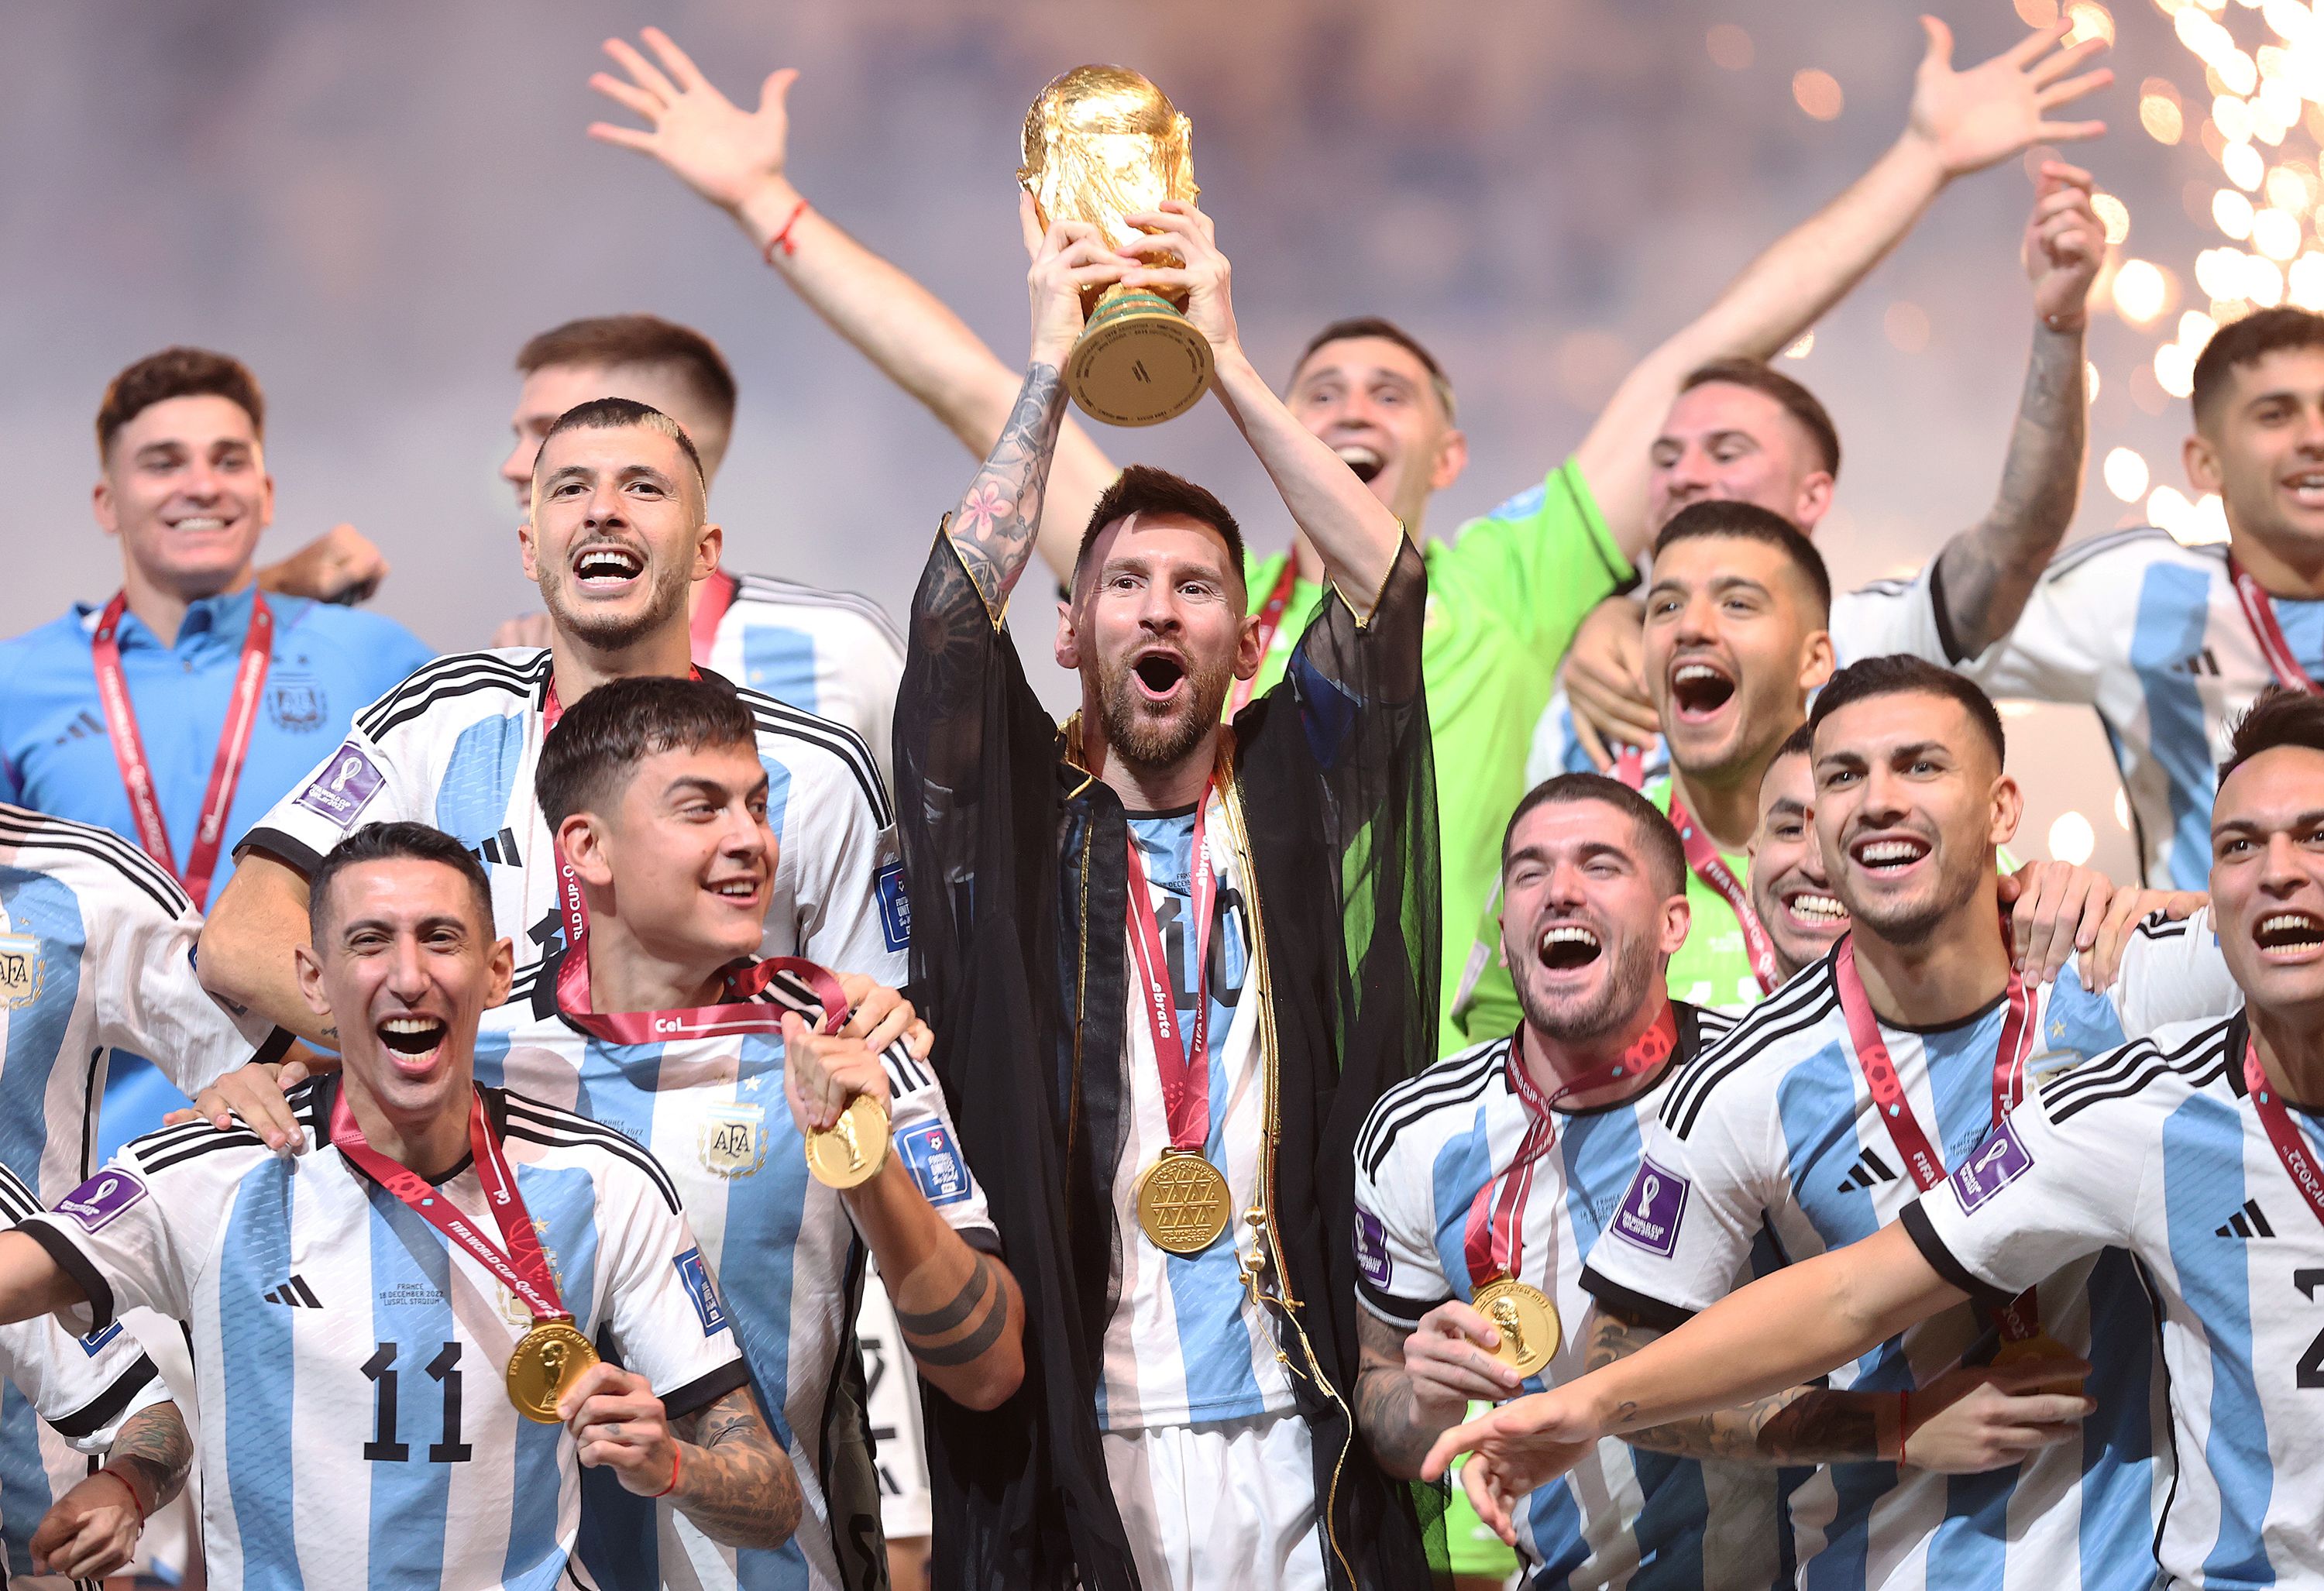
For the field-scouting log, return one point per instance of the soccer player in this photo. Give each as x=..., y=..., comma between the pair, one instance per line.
x=180, y=712
x=1482, y=1180
x=355, y=1310
x=1173, y=963
x=2194, y=1148
x=1791, y=892
x=1510, y=587
x=617, y=537
x=831, y=653
x=658, y=798
x=1831, y=1103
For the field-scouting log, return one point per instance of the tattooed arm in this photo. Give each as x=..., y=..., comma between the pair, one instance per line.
x=1412, y=1386
x=152, y=1455
x=720, y=1466
x=92, y=1530
x=1986, y=572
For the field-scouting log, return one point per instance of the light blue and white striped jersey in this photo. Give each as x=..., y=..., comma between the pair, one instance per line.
x=65, y=1400
x=1870, y=622
x=455, y=746
x=1186, y=1344
x=789, y=1261
x=1774, y=1130
x=831, y=653
x=2156, y=1148
x=2150, y=634
x=356, y=1430
x=1624, y=1517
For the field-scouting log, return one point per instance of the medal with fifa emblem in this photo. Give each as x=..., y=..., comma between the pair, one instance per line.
x=1184, y=1203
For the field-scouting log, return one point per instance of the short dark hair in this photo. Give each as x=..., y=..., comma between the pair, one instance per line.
x=1726, y=519
x=615, y=340
x=1797, y=402
x=1374, y=325
x=2279, y=716
x=177, y=372
x=615, y=414
x=601, y=738
x=1800, y=742
x=2248, y=341
x=1666, y=855
x=1899, y=674
x=1141, y=489
x=390, y=843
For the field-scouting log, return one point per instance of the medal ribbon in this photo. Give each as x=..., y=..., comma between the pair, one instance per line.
x=1183, y=1059
x=226, y=769
x=2020, y=1318
x=1493, y=1239
x=1270, y=620
x=2291, y=1147
x=717, y=596
x=2259, y=608
x=523, y=1269
x=1703, y=856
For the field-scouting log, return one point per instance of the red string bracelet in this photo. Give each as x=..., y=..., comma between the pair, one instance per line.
x=136, y=1501
x=782, y=238
x=677, y=1453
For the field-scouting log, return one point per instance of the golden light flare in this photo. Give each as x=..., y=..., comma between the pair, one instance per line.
x=1802, y=347
x=2141, y=291
x=2231, y=212
x=2090, y=20
x=1817, y=92
x=1730, y=47
x=2243, y=165
x=2112, y=214
x=2125, y=473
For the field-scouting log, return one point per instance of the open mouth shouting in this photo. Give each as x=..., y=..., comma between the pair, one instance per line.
x=2289, y=936
x=412, y=1038
x=1699, y=689
x=1567, y=947
x=606, y=568
x=1366, y=462
x=1161, y=677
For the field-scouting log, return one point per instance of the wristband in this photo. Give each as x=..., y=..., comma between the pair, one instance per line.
x=677, y=1453
x=1903, y=1424
x=136, y=1502
x=782, y=238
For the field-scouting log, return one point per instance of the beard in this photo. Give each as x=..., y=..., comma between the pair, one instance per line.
x=1143, y=740
x=611, y=633
x=1627, y=986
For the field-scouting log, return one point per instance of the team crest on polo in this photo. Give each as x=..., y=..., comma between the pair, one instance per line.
x=296, y=704
x=20, y=969
x=734, y=1139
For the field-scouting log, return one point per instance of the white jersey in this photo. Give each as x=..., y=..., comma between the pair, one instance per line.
x=2150, y=634
x=1870, y=622
x=1774, y=1130
x=712, y=1112
x=1624, y=1516
x=831, y=653
x=66, y=1400
x=1184, y=1342
x=456, y=745
x=355, y=1429
x=2157, y=1149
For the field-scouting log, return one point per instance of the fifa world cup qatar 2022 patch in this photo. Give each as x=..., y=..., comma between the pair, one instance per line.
x=345, y=786
x=1991, y=1167
x=98, y=1202
x=1651, y=1209
x=1373, y=1257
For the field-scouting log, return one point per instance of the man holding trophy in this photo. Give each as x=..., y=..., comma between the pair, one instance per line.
x=1174, y=960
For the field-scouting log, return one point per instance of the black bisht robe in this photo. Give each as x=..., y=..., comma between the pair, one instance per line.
x=1015, y=866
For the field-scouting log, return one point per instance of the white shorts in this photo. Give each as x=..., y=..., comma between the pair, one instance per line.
x=1230, y=1503
x=894, y=1406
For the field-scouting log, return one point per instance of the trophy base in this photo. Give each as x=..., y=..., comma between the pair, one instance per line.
x=1138, y=362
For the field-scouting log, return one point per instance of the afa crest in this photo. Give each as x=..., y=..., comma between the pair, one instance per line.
x=297, y=704
x=20, y=969
x=734, y=1139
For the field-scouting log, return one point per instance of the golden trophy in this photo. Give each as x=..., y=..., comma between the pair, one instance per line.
x=1102, y=141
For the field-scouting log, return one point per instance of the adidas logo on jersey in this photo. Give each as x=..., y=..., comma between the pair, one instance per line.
x=2202, y=664
x=1868, y=1172
x=296, y=1293
x=2246, y=1222
x=499, y=848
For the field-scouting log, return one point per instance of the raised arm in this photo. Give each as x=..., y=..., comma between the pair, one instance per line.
x=1987, y=572
x=1960, y=121
x=1354, y=530
x=243, y=955
x=738, y=161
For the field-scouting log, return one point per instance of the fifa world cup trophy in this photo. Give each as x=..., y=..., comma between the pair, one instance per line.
x=1102, y=141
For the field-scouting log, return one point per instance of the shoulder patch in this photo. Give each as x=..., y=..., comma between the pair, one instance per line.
x=1372, y=1257
x=935, y=1162
x=344, y=787
x=694, y=1274
x=95, y=1342
x=1651, y=1209
x=1991, y=1167
x=101, y=1200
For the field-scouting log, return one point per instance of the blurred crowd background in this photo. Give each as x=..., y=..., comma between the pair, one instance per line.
x=374, y=206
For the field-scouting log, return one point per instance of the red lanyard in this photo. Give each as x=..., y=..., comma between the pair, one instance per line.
x=1183, y=1059
x=2020, y=1318
x=225, y=769
x=1703, y=856
x=717, y=596
x=2259, y=608
x=2291, y=1147
x=523, y=1269
x=1494, y=1238
x=1270, y=620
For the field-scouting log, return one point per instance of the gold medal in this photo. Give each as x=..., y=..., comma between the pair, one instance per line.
x=1183, y=1203
x=853, y=1151
x=549, y=1359
x=2040, y=1345
x=1525, y=1318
